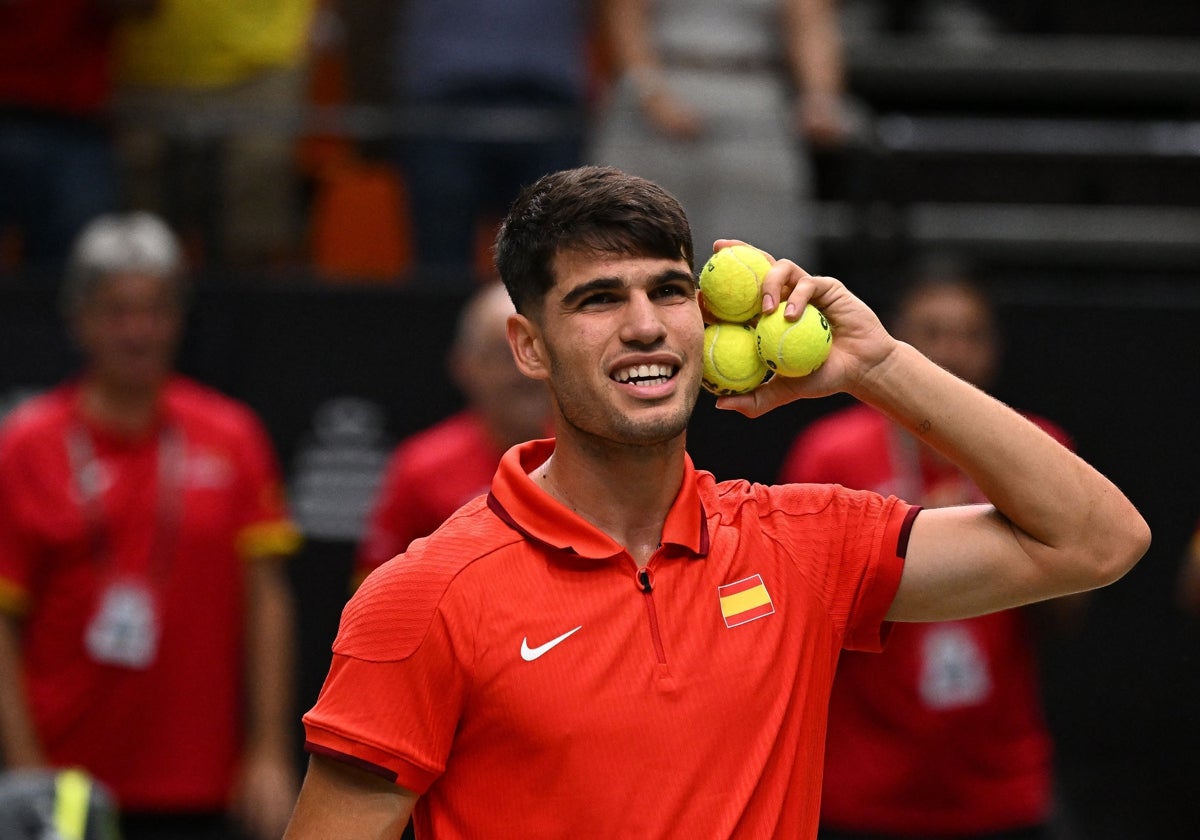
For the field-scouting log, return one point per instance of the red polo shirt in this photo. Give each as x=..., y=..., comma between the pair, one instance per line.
x=521, y=672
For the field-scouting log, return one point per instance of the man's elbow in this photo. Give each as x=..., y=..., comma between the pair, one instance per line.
x=1121, y=549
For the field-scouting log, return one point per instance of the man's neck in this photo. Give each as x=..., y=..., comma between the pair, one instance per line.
x=625, y=492
x=128, y=412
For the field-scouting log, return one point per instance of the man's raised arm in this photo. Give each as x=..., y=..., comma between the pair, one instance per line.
x=1054, y=524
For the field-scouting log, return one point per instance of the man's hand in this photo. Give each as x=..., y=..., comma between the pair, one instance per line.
x=860, y=342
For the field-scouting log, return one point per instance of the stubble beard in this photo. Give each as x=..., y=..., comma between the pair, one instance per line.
x=620, y=430
x=599, y=422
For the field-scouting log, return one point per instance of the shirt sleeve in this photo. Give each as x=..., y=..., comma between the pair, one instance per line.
x=267, y=529
x=15, y=550
x=19, y=485
x=867, y=628
x=394, y=694
x=849, y=545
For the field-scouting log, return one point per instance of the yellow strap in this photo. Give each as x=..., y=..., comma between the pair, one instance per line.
x=73, y=789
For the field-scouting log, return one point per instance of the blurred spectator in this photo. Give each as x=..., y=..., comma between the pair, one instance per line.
x=943, y=734
x=498, y=91
x=145, y=622
x=57, y=168
x=436, y=471
x=717, y=101
x=211, y=95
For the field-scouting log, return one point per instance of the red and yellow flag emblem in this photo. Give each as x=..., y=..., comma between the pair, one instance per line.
x=744, y=600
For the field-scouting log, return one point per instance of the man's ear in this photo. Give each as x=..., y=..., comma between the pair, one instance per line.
x=528, y=349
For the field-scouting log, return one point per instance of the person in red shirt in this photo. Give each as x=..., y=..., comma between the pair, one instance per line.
x=973, y=682
x=434, y=472
x=612, y=643
x=145, y=622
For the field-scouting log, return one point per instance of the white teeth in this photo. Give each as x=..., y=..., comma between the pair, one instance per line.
x=645, y=374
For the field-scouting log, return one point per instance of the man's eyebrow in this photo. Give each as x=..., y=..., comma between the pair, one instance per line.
x=673, y=275
x=599, y=284
x=608, y=284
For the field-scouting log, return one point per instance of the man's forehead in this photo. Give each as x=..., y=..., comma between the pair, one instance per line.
x=573, y=267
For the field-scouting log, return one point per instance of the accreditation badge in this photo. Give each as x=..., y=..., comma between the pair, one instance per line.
x=124, y=630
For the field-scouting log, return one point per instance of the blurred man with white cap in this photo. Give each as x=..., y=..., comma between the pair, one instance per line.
x=145, y=621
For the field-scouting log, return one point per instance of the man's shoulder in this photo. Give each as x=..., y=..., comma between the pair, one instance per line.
x=391, y=611
x=822, y=450
x=846, y=426
x=445, y=442
x=41, y=416
x=729, y=500
x=201, y=406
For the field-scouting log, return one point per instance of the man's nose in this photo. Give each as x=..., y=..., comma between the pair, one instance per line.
x=643, y=322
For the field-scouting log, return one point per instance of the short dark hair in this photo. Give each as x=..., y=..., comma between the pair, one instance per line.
x=595, y=208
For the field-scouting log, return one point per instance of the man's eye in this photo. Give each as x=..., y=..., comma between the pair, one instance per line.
x=598, y=299
x=671, y=290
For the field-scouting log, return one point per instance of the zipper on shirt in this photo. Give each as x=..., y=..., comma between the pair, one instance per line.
x=645, y=580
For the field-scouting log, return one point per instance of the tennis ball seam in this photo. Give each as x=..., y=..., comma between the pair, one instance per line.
x=718, y=379
x=772, y=345
x=747, y=262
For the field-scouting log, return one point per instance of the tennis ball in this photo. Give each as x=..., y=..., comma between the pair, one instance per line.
x=794, y=348
x=731, y=361
x=731, y=282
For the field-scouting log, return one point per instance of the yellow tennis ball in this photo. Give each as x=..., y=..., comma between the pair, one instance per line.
x=794, y=348
x=731, y=361
x=731, y=282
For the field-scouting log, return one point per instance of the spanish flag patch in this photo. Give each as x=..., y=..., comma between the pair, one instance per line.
x=744, y=600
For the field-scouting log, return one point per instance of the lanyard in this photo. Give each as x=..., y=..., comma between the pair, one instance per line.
x=87, y=475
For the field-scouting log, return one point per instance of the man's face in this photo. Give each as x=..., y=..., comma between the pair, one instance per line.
x=953, y=328
x=620, y=341
x=129, y=328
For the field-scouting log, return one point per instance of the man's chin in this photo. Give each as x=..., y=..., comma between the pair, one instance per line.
x=651, y=432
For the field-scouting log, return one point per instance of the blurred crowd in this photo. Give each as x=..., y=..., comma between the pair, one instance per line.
x=380, y=140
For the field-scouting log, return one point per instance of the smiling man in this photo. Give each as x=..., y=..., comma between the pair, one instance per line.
x=612, y=643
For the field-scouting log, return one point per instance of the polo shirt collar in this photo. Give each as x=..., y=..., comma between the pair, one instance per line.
x=524, y=505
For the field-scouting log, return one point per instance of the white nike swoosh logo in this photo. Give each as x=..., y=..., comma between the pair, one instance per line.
x=529, y=654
